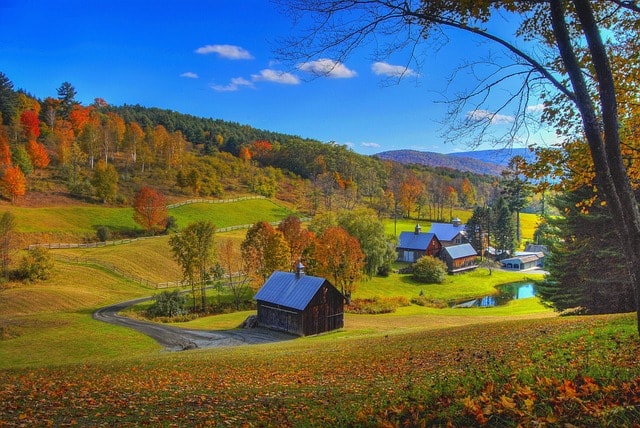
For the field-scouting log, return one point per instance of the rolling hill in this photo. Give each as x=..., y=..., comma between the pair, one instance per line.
x=489, y=162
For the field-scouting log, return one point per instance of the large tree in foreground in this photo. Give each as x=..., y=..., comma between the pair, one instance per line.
x=579, y=56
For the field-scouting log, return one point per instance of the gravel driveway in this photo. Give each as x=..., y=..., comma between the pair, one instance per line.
x=179, y=339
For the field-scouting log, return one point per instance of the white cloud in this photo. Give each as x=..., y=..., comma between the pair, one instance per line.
x=190, y=75
x=275, y=76
x=386, y=69
x=235, y=84
x=372, y=145
x=485, y=115
x=225, y=51
x=329, y=68
x=538, y=108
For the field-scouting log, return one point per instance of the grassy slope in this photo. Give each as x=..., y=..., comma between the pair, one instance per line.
x=77, y=370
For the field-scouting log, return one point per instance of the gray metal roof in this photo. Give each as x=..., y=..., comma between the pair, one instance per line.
x=460, y=251
x=289, y=289
x=446, y=231
x=413, y=241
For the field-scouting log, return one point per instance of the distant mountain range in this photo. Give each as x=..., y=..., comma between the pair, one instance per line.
x=489, y=162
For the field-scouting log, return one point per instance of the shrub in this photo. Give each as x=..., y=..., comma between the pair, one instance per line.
x=104, y=233
x=429, y=270
x=377, y=305
x=36, y=265
x=168, y=304
x=429, y=302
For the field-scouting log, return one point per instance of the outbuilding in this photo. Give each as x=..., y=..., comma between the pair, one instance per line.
x=459, y=258
x=299, y=304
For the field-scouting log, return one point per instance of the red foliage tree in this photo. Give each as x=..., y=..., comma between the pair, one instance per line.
x=150, y=209
x=14, y=182
x=30, y=124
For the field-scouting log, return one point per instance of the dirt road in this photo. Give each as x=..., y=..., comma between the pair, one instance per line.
x=179, y=339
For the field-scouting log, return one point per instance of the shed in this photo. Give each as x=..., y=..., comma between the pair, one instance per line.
x=459, y=258
x=299, y=304
x=523, y=261
x=416, y=244
x=450, y=233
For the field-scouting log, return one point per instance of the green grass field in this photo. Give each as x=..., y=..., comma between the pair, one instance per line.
x=518, y=364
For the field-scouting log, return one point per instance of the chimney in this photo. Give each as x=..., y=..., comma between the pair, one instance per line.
x=299, y=270
x=456, y=222
x=418, y=229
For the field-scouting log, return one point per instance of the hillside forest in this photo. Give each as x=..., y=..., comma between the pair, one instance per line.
x=104, y=154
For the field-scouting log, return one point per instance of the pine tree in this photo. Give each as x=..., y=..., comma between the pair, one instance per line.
x=504, y=229
x=585, y=265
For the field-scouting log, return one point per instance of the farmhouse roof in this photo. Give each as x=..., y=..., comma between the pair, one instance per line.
x=460, y=251
x=447, y=231
x=289, y=289
x=415, y=241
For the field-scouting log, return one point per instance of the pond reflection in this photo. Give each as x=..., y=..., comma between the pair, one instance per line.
x=506, y=293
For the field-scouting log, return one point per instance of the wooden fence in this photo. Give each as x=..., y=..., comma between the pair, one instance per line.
x=127, y=275
x=114, y=269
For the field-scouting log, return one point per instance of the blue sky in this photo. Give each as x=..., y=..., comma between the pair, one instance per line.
x=216, y=59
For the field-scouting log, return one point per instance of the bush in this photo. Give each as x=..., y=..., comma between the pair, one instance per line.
x=429, y=302
x=376, y=305
x=168, y=304
x=36, y=265
x=429, y=270
x=104, y=233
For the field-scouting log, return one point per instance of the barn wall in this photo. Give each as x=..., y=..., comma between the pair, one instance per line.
x=280, y=318
x=325, y=312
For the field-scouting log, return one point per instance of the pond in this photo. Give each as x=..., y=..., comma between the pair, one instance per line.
x=507, y=293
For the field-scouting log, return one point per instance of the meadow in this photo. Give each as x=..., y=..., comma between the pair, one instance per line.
x=518, y=364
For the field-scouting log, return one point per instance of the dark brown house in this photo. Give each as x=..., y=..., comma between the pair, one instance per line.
x=459, y=258
x=299, y=304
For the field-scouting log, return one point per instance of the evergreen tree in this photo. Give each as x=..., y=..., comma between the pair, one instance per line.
x=8, y=100
x=504, y=229
x=67, y=96
x=585, y=266
x=477, y=228
x=515, y=189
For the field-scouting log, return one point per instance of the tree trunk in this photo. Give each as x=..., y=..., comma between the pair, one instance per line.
x=611, y=175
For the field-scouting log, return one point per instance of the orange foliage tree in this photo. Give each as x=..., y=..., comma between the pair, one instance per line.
x=266, y=249
x=296, y=236
x=150, y=209
x=14, y=182
x=38, y=154
x=337, y=255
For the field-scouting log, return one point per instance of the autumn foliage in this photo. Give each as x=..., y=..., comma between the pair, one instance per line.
x=150, y=209
x=38, y=154
x=14, y=183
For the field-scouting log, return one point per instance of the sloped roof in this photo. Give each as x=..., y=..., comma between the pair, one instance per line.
x=289, y=289
x=524, y=258
x=413, y=241
x=446, y=231
x=460, y=251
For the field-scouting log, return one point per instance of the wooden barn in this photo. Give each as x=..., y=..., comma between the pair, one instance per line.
x=459, y=258
x=416, y=244
x=299, y=304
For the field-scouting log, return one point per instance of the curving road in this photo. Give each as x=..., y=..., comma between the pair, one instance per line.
x=179, y=339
